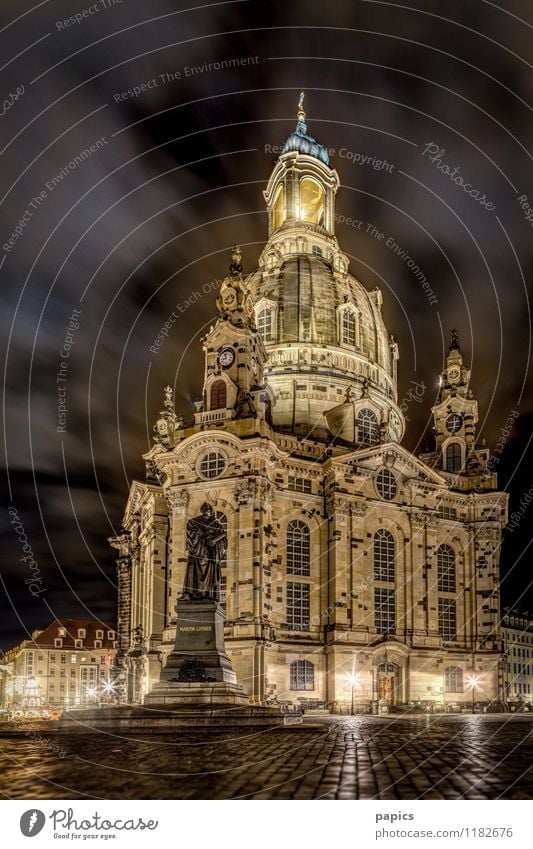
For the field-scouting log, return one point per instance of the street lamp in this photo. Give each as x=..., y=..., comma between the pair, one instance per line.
x=472, y=680
x=352, y=679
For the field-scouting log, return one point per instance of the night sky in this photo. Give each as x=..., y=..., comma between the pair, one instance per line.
x=131, y=162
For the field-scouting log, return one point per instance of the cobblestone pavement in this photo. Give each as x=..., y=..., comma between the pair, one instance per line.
x=361, y=757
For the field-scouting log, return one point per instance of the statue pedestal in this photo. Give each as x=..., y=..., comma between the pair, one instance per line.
x=198, y=670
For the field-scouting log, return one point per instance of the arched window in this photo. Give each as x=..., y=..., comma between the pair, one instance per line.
x=298, y=549
x=264, y=324
x=218, y=395
x=302, y=675
x=367, y=427
x=384, y=551
x=348, y=327
x=453, y=679
x=311, y=201
x=453, y=457
x=446, y=569
x=277, y=209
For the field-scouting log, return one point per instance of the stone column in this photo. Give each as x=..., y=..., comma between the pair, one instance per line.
x=119, y=671
x=178, y=503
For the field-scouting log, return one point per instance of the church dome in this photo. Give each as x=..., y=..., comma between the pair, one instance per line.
x=331, y=360
x=308, y=296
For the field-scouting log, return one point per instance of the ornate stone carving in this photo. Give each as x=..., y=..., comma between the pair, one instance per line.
x=244, y=491
x=178, y=501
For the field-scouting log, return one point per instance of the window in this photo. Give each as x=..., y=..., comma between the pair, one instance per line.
x=61, y=632
x=316, y=250
x=212, y=465
x=218, y=395
x=367, y=427
x=348, y=327
x=81, y=633
x=383, y=556
x=447, y=619
x=311, y=201
x=58, y=642
x=384, y=610
x=446, y=569
x=297, y=606
x=99, y=634
x=302, y=675
x=386, y=484
x=73, y=658
x=52, y=658
x=447, y=512
x=298, y=550
x=299, y=484
x=264, y=324
x=78, y=644
x=98, y=644
x=277, y=209
x=63, y=658
x=111, y=634
x=453, y=457
x=453, y=679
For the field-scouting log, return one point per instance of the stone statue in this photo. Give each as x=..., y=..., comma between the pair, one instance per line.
x=207, y=544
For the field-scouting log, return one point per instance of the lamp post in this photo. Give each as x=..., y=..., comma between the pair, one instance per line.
x=472, y=680
x=352, y=680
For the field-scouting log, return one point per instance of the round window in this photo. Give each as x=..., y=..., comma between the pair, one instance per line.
x=454, y=422
x=212, y=464
x=386, y=484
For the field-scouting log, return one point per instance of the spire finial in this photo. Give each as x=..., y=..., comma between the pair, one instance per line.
x=169, y=398
x=301, y=114
x=301, y=126
x=454, y=340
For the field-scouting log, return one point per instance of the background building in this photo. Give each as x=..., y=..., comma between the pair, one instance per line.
x=355, y=570
x=517, y=635
x=67, y=665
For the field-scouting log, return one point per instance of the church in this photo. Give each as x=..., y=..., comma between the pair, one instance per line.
x=357, y=576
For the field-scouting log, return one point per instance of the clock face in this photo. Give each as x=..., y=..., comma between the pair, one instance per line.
x=454, y=422
x=226, y=358
x=229, y=297
x=454, y=373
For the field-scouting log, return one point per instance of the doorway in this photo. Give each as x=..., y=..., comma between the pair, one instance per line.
x=388, y=680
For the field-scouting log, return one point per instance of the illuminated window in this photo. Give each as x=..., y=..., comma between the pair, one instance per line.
x=264, y=324
x=453, y=679
x=298, y=550
x=277, y=209
x=367, y=427
x=311, y=201
x=218, y=395
x=447, y=619
x=297, y=606
x=348, y=327
x=386, y=484
x=302, y=675
x=453, y=457
x=446, y=569
x=383, y=556
x=384, y=610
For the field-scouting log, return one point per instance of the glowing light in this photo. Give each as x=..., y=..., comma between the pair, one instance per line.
x=91, y=691
x=352, y=679
x=472, y=680
x=108, y=687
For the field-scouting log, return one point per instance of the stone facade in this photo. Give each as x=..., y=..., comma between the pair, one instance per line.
x=357, y=574
x=517, y=635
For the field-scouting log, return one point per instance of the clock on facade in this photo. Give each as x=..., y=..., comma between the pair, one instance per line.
x=226, y=358
x=454, y=422
x=454, y=373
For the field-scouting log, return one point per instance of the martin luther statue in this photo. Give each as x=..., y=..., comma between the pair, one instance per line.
x=207, y=544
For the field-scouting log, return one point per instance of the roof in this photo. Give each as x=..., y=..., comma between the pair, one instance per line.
x=46, y=638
